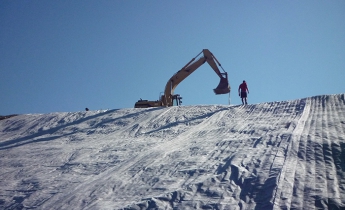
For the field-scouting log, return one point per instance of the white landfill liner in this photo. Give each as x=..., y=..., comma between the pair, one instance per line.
x=277, y=155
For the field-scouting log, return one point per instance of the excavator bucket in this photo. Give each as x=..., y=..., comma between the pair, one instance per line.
x=223, y=86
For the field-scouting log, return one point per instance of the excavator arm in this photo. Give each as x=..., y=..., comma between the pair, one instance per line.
x=189, y=68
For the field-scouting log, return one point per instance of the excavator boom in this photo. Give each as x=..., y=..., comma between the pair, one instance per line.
x=168, y=97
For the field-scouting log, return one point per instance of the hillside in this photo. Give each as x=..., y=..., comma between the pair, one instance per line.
x=279, y=155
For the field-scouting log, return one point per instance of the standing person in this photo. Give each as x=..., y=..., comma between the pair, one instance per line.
x=243, y=94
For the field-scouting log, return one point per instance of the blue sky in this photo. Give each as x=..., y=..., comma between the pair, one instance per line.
x=64, y=56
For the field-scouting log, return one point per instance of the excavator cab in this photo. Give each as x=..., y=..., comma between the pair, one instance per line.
x=223, y=86
x=146, y=104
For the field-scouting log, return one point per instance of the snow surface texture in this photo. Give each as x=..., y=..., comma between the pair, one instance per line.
x=279, y=155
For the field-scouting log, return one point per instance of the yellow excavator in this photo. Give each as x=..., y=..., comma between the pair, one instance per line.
x=171, y=99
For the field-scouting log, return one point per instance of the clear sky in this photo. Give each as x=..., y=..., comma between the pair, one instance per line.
x=64, y=56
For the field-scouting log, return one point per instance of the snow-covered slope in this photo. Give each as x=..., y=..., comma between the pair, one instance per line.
x=279, y=155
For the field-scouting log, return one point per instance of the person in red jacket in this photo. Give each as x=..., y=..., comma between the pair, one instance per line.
x=242, y=92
